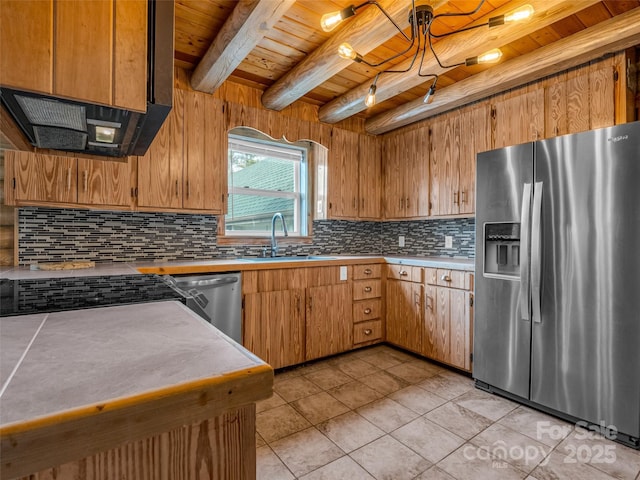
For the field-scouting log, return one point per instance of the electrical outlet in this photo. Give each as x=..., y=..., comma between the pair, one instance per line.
x=448, y=241
x=343, y=274
x=401, y=240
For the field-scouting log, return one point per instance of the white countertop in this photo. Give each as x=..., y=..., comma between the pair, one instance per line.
x=219, y=265
x=59, y=362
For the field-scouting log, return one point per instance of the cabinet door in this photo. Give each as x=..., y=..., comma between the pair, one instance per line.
x=83, y=40
x=274, y=327
x=474, y=138
x=44, y=178
x=443, y=315
x=458, y=329
x=429, y=341
x=329, y=325
x=393, y=177
x=130, y=55
x=26, y=30
x=444, y=166
x=370, y=176
x=404, y=314
x=205, y=152
x=103, y=182
x=519, y=119
x=160, y=170
x=416, y=173
x=343, y=174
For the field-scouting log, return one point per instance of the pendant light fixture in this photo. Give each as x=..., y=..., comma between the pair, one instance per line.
x=421, y=18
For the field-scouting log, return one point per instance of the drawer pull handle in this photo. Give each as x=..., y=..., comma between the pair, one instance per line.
x=445, y=278
x=368, y=331
x=367, y=289
x=368, y=271
x=403, y=273
x=367, y=311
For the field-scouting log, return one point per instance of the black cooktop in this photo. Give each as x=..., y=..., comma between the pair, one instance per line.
x=21, y=297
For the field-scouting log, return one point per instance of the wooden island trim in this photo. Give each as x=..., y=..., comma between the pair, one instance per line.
x=159, y=417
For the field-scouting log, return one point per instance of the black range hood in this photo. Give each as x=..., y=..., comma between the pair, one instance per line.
x=74, y=126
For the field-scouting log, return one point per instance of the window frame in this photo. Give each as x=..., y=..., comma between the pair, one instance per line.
x=301, y=192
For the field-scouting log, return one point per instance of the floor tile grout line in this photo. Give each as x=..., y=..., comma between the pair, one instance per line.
x=23, y=356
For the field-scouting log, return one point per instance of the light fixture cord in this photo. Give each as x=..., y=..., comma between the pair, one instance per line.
x=452, y=14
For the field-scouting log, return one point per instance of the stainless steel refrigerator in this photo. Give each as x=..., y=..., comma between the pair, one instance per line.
x=557, y=293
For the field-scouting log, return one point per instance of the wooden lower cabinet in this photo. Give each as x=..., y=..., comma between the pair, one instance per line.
x=329, y=325
x=274, y=326
x=404, y=314
x=297, y=314
x=448, y=322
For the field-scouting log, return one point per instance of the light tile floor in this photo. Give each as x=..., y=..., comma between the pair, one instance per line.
x=380, y=413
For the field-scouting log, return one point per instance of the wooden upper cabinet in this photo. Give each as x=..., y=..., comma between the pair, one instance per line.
x=455, y=141
x=343, y=174
x=93, y=51
x=26, y=53
x=393, y=177
x=185, y=166
x=102, y=182
x=205, y=152
x=406, y=174
x=519, y=119
x=160, y=169
x=475, y=137
x=43, y=178
x=130, y=55
x=581, y=99
x=444, y=160
x=370, y=177
x=82, y=50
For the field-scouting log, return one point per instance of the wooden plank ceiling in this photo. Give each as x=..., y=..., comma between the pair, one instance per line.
x=292, y=57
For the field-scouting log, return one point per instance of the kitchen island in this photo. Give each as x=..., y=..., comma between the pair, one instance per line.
x=145, y=391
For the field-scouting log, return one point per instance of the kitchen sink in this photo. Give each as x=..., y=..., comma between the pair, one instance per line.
x=293, y=258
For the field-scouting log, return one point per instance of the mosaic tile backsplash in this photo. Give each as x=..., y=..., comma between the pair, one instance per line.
x=52, y=235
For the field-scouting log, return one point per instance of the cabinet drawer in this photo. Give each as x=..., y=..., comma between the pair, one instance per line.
x=361, y=272
x=403, y=272
x=367, y=310
x=451, y=278
x=363, y=289
x=367, y=331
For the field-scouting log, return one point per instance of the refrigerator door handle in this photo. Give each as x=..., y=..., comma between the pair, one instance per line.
x=536, y=253
x=524, y=250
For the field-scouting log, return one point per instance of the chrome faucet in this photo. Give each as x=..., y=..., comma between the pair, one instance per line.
x=274, y=243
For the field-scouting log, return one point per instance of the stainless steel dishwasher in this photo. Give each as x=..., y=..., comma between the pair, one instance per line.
x=217, y=298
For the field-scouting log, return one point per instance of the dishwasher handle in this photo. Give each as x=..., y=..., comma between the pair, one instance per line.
x=210, y=282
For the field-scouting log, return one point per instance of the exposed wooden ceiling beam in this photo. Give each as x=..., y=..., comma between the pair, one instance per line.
x=615, y=34
x=452, y=50
x=364, y=32
x=245, y=27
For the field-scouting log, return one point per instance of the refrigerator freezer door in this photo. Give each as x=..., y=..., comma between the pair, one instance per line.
x=502, y=335
x=585, y=355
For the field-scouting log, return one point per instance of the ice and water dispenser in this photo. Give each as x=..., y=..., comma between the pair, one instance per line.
x=502, y=249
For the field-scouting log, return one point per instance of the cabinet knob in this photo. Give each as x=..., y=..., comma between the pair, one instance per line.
x=367, y=311
x=445, y=278
x=367, y=289
x=368, y=331
x=368, y=271
x=403, y=273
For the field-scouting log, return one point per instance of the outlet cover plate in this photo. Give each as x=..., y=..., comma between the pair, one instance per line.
x=448, y=241
x=401, y=240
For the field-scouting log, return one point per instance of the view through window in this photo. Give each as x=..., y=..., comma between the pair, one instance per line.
x=265, y=178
